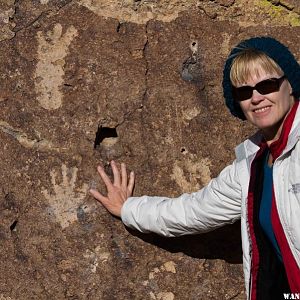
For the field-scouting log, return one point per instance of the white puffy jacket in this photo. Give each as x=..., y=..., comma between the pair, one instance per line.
x=224, y=200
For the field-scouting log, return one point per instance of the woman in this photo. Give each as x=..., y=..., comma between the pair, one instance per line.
x=261, y=83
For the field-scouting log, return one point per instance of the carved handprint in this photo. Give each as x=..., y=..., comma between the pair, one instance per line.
x=65, y=199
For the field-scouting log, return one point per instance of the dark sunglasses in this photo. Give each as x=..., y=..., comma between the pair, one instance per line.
x=264, y=87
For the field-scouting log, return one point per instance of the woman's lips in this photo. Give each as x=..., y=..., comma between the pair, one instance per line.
x=262, y=110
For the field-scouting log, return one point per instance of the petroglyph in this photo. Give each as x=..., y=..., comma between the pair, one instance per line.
x=99, y=255
x=190, y=114
x=52, y=49
x=29, y=143
x=225, y=46
x=6, y=26
x=66, y=199
x=139, y=12
x=170, y=267
x=153, y=272
x=191, y=173
x=2, y=297
x=165, y=296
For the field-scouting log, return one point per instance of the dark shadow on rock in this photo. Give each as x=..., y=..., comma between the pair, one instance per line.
x=223, y=243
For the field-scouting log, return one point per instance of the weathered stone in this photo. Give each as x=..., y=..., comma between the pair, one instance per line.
x=89, y=81
x=7, y=11
x=226, y=3
x=292, y=5
x=276, y=2
x=288, y=4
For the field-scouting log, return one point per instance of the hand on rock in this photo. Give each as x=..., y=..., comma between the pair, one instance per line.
x=118, y=191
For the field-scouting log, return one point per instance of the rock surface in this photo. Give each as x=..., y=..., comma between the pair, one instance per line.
x=84, y=82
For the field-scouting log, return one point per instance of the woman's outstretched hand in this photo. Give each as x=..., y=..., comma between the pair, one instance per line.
x=118, y=191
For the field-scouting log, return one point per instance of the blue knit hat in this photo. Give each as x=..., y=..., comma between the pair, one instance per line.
x=275, y=50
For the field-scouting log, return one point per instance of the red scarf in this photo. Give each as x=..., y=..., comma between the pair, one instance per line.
x=290, y=264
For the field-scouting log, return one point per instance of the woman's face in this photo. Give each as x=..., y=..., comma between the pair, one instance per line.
x=267, y=112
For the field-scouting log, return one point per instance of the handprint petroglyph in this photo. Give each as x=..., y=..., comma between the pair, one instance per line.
x=192, y=173
x=52, y=49
x=65, y=199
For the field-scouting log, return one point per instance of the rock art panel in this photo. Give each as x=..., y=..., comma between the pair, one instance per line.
x=52, y=50
x=74, y=66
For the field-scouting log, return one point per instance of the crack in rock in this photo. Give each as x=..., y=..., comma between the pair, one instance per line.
x=287, y=4
x=146, y=62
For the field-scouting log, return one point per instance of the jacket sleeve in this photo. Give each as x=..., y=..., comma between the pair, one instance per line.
x=213, y=206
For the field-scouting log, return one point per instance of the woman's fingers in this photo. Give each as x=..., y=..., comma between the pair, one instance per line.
x=120, y=184
x=104, y=177
x=124, y=176
x=112, y=205
x=116, y=172
x=131, y=183
x=99, y=197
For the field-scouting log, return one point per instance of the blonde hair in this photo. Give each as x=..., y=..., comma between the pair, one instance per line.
x=250, y=62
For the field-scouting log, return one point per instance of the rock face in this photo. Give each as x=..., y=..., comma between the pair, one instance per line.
x=84, y=82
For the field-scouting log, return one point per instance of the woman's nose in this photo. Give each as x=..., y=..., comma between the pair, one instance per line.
x=257, y=97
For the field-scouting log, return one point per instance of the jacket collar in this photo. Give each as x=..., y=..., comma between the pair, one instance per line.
x=295, y=132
